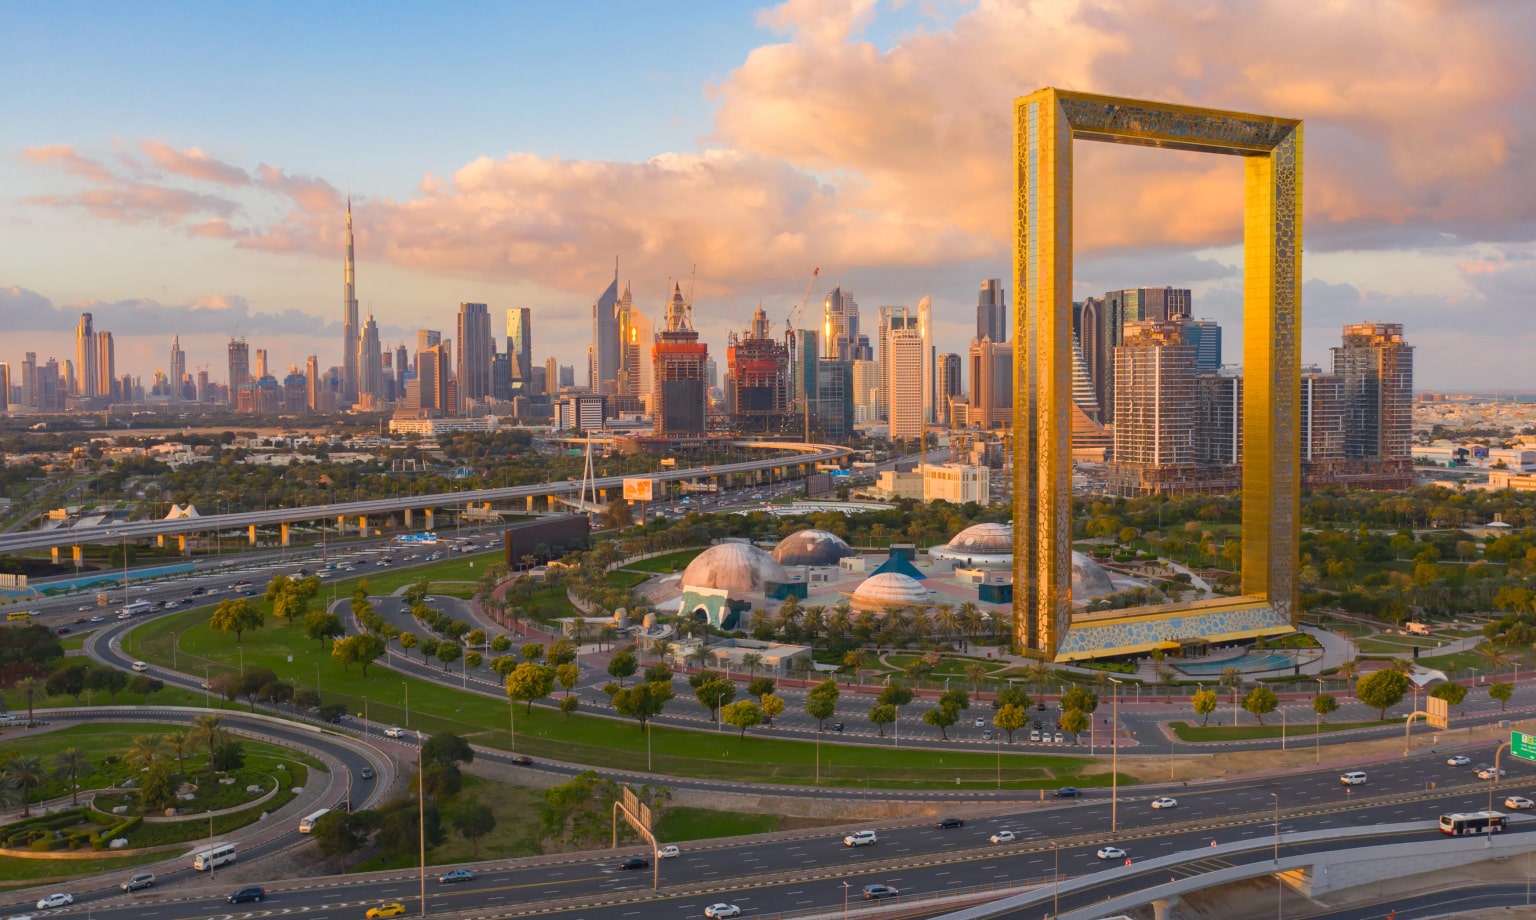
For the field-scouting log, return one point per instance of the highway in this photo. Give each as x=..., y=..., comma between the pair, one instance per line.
x=18, y=542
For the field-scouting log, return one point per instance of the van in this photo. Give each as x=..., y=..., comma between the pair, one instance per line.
x=214, y=857
x=1353, y=778
x=142, y=880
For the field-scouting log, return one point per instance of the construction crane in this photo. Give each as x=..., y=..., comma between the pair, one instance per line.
x=790, y=325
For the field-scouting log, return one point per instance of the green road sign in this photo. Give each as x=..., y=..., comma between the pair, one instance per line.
x=1523, y=746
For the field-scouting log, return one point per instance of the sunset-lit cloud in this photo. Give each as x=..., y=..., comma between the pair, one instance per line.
x=194, y=164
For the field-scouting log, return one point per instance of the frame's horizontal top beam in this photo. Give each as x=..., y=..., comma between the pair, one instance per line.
x=1159, y=124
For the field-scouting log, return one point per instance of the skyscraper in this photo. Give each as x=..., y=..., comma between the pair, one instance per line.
x=315, y=397
x=992, y=312
x=551, y=376
x=178, y=367
x=1323, y=430
x=349, y=330
x=259, y=366
x=891, y=320
x=475, y=350
x=1205, y=335
x=1157, y=412
x=605, y=338
x=991, y=404
x=679, y=401
x=85, y=357
x=370, y=367
x=402, y=371
x=757, y=379
x=902, y=378
x=947, y=382
x=239, y=366
x=520, y=347
x=106, y=367
x=5, y=387
x=1164, y=304
x=925, y=332
x=29, y=380
x=840, y=326
x=426, y=338
x=1377, y=367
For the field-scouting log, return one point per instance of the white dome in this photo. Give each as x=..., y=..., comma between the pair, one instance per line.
x=1089, y=579
x=739, y=568
x=811, y=547
x=984, y=539
x=891, y=589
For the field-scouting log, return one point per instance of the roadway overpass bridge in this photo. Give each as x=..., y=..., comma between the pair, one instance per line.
x=357, y=513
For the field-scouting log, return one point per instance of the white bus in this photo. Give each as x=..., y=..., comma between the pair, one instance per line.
x=136, y=607
x=309, y=822
x=213, y=858
x=1476, y=822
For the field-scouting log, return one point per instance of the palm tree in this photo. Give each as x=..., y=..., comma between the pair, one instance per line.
x=179, y=742
x=921, y=625
x=72, y=764
x=1495, y=658
x=29, y=687
x=206, y=732
x=1040, y=674
x=970, y=616
x=26, y=774
x=753, y=661
x=146, y=749
x=975, y=672
x=856, y=659
x=813, y=621
x=1349, y=670
x=946, y=620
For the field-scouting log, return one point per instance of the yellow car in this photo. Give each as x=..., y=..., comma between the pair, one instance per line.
x=387, y=909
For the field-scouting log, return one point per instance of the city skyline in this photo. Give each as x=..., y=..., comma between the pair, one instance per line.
x=201, y=225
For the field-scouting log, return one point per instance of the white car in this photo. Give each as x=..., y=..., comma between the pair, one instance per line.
x=56, y=900
x=1460, y=760
x=722, y=910
x=140, y=666
x=668, y=852
x=394, y=732
x=1519, y=803
x=1003, y=837
x=1111, y=853
x=1490, y=772
x=1165, y=802
x=859, y=839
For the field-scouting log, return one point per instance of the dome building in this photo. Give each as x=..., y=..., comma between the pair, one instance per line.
x=812, y=547
x=890, y=589
x=721, y=584
x=980, y=546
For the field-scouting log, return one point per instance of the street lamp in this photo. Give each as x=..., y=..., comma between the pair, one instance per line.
x=421, y=821
x=1056, y=881
x=1114, y=760
x=1282, y=729
x=407, y=688
x=1276, y=797
x=845, y=901
x=1317, y=727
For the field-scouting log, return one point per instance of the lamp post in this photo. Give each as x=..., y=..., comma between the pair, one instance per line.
x=845, y=901
x=421, y=822
x=212, y=872
x=1282, y=729
x=512, y=724
x=1276, y=797
x=1056, y=881
x=407, y=688
x=818, y=752
x=173, y=651
x=1317, y=727
x=1114, y=759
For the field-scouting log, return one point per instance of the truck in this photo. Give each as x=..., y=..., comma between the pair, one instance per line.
x=1418, y=629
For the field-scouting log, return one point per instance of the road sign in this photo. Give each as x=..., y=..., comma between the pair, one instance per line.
x=639, y=490
x=1523, y=746
x=1437, y=712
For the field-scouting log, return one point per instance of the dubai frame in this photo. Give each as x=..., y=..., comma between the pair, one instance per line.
x=1046, y=124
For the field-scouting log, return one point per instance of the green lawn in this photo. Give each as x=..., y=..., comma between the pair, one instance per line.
x=582, y=739
x=671, y=562
x=1381, y=645
x=16, y=703
x=950, y=666
x=21, y=873
x=679, y=824
x=1195, y=733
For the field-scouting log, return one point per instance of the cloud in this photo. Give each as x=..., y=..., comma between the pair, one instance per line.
x=193, y=163
x=310, y=194
x=224, y=314
x=133, y=203
x=217, y=228
x=66, y=159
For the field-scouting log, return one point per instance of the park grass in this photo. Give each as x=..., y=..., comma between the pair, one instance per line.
x=671, y=562
x=586, y=739
x=1198, y=734
x=21, y=873
x=517, y=832
x=949, y=666
x=1379, y=645
x=681, y=824
x=16, y=703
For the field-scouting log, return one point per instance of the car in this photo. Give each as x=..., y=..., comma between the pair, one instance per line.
x=1034, y=734
x=78, y=620
x=859, y=839
x=876, y=892
x=837, y=727
x=125, y=614
x=986, y=735
x=84, y=607
x=945, y=824
x=1040, y=707
x=63, y=630
x=635, y=862
x=457, y=875
x=668, y=852
x=366, y=773
x=97, y=619
x=394, y=732
x=1491, y=773
x=980, y=722
x=722, y=910
x=1067, y=792
x=1165, y=802
x=1519, y=803
x=141, y=880
x=251, y=893
x=1003, y=837
x=1111, y=853
x=1353, y=778
x=387, y=909
x=1060, y=738
x=61, y=899
x=522, y=760
x=1459, y=760
x=169, y=605
x=140, y=666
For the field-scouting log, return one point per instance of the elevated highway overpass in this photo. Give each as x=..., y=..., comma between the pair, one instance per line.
x=357, y=513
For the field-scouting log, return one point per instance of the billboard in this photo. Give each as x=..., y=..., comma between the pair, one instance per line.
x=639, y=490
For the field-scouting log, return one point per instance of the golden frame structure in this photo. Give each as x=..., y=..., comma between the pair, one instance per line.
x=1046, y=124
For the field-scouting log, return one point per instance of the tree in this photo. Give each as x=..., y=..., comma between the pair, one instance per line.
x=642, y=702
x=306, y=697
x=821, y=702
x=618, y=514
x=1080, y=698
x=69, y=679
x=427, y=646
x=563, y=651
x=942, y=717
x=1451, y=693
x=337, y=836
x=1382, y=690
x=321, y=625
x=446, y=747
x=773, y=705
x=1261, y=701
x=1324, y=705
x=288, y=600
x=473, y=659
x=532, y=651
x=364, y=649
x=448, y=653
x=752, y=661
x=179, y=743
x=854, y=660
x=715, y=693
x=229, y=755
x=1010, y=719
x=760, y=687
x=71, y=764
x=208, y=731
x=1075, y=721
x=956, y=697
x=474, y=820
x=474, y=637
x=882, y=714
x=975, y=672
x=158, y=787
x=1012, y=695
x=28, y=687
x=622, y=665
x=529, y=681
x=109, y=679
x=568, y=675
x=236, y=615
x=500, y=644
x=1204, y=702
x=1501, y=692
x=145, y=751
x=399, y=828
x=742, y=714
x=144, y=685
x=569, y=704
x=1349, y=670
x=441, y=780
